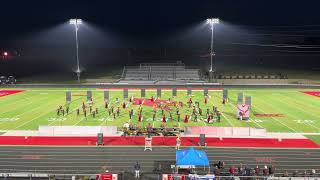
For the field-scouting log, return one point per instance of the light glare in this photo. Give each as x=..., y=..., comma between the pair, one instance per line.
x=75, y=21
x=213, y=21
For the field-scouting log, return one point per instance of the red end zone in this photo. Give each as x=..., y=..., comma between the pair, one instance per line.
x=9, y=92
x=312, y=93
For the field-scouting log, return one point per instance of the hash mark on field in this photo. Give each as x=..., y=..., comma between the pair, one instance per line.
x=273, y=117
x=30, y=110
x=35, y=117
x=279, y=100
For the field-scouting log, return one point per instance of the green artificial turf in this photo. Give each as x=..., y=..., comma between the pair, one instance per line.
x=33, y=107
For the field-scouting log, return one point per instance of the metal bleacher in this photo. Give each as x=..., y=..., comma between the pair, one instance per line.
x=161, y=71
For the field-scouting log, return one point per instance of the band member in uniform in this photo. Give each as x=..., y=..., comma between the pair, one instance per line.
x=62, y=111
x=124, y=105
x=178, y=116
x=186, y=119
x=78, y=111
x=153, y=116
x=163, y=118
x=130, y=114
x=117, y=101
x=218, y=116
x=140, y=117
x=94, y=114
x=118, y=111
x=112, y=109
x=67, y=109
x=106, y=104
x=209, y=118
x=200, y=111
x=97, y=111
x=58, y=111
x=195, y=117
x=190, y=102
x=90, y=109
x=83, y=106
x=205, y=100
x=85, y=112
x=223, y=101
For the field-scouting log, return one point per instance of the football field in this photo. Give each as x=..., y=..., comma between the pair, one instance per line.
x=277, y=110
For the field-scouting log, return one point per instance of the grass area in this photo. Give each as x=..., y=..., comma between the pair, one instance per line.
x=314, y=138
x=33, y=107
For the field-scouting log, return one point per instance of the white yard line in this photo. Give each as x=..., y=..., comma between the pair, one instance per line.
x=35, y=117
x=29, y=110
x=299, y=109
x=250, y=110
x=274, y=118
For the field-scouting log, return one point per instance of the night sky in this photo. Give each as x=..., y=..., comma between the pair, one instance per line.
x=38, y=37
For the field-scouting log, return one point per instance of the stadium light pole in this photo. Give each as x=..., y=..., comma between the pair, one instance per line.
x=76, y=23
x=211, y=22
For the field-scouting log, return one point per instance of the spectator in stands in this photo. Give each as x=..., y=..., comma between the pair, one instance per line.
x=137, y=170
x=220, y=164
x=216, y=171
x=232, y=170
x=240, y=169
x=265, y=171
x=247, y=170
x=285, y=174
x=257, y=170
x=295, y=173
x=271, y=170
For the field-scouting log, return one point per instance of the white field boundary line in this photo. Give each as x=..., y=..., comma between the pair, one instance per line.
x=273, y=117
x=30, y=110
x=299, y=110
x=36, y=116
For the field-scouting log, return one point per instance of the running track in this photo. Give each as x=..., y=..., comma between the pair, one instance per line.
x=88, y=160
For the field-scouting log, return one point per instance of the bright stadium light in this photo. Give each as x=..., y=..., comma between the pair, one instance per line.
x=211, y=22
x=5, y=53
x=76, y=23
